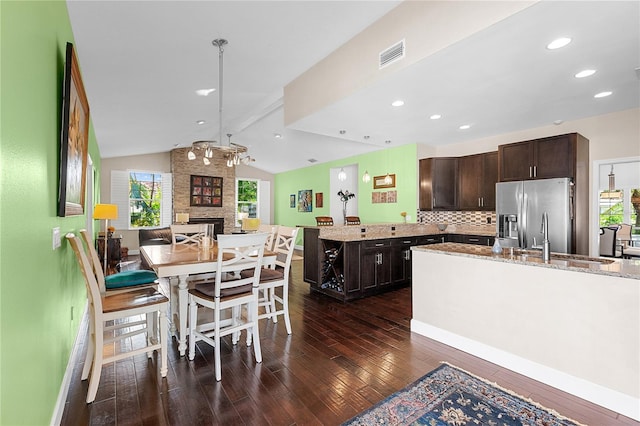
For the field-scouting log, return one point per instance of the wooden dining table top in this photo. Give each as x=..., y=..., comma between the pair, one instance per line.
x=169, y=255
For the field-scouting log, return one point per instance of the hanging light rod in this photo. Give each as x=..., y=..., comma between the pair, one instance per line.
x=231, y=150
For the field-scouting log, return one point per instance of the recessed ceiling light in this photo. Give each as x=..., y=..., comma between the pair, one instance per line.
x=465, y=127
x=387, y=142
x=342, y=132
x=204, y=92
x=397, y=103
x=585, y=73
x=602, y=94
x=277, y=135
x=435, y=117
x=558, y=122
x=558, y=43
x=200, y=122
x=366, y=136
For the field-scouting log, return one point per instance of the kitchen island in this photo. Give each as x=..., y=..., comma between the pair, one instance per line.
x=353, y=261
x=572, y=322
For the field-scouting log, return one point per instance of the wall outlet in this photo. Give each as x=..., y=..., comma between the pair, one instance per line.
x=56, y=238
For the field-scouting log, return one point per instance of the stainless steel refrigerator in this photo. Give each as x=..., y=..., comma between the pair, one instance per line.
x=520, y=206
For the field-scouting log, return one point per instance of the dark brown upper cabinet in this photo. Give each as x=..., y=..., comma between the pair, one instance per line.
x=545, y=158
x=439, y=183
x=477, y=177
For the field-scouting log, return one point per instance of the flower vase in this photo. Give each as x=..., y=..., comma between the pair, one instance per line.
x=344, y=212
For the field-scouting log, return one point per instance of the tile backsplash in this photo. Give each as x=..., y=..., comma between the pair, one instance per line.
x=477, y=218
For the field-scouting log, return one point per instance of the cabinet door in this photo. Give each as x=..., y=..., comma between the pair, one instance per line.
x=425, y=167
x=554, y=157
x=488, y=180
x=439, y=183
x=375, y=269
x=516, y=161
x=445, y=184
x=311, y=264
x=469, y=196
x=401, y=260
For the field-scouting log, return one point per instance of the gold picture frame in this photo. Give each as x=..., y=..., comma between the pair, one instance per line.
x=74, y=141
x=379, y=182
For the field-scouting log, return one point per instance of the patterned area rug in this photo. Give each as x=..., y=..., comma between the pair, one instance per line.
x=450, y=396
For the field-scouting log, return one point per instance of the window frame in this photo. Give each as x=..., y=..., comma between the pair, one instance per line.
x=237, y=202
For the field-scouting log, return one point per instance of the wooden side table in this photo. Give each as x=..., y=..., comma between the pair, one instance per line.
x=114, y=255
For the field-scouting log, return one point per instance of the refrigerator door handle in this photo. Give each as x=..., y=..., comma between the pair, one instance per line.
x=525, y=220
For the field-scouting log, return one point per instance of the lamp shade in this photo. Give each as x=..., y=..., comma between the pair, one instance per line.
x=105, y=211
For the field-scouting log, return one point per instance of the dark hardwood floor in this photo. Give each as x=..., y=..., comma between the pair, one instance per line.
x=340, y=360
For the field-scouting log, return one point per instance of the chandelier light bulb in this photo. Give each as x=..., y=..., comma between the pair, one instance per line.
x=365, y=177
x=206, y=161
x=191, y=155
x=387, y=179
x=342, y=175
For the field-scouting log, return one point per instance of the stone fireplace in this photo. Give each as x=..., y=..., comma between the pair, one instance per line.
x=182, y=169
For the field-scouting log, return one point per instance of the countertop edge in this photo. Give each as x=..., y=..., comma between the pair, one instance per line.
x=629, y=269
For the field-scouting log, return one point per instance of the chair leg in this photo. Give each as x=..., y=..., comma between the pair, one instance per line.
x=152, y=330
x=253, y=316
x=88, y=360
x=272, y=304
x=193, y=324
x=96, y=369
x=285, y=307
x=164, y=333
x=216, y=338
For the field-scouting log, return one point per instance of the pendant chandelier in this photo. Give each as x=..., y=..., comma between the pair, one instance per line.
x=233, y=153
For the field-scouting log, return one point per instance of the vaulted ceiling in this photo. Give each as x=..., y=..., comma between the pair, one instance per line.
x=142, y=62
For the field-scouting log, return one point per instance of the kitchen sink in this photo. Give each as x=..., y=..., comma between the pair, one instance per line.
x=561, y=258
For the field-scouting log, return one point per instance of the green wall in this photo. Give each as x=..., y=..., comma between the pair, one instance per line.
x=402, y=161
x=39, y=286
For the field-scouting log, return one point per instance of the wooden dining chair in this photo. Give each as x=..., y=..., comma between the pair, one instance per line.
x=324, y=221
x=352, y=220
x=277, y=276
x=121, y=281
x=235, y=253
x=187, y=234
x=118, y=316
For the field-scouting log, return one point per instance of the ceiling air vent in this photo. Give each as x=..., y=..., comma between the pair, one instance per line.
x=392, y=54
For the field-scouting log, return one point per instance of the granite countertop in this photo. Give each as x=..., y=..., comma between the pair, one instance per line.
x=594, y=265
x=374, y=231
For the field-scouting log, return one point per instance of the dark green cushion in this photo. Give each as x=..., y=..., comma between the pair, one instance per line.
x=129, y=278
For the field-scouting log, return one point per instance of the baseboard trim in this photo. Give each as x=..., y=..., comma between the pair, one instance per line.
x=58, y=410
x=598, y=394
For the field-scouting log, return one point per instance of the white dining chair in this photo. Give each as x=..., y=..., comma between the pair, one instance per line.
x=271, y=231
x=187, y=233
x=236, y=252
x=277, y=276
x=118, y=316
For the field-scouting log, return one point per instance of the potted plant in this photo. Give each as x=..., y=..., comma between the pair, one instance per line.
x=345, y=196
x=635, y=202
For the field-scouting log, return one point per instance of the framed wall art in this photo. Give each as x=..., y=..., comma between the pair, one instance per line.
x=378, y=182
x=74, y=139
x=319, y=200
x=305, y=200
x=292, y=200
x=206, y=191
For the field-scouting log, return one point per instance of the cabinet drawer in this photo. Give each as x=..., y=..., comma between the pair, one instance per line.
x=404, y=241
x=375, y=244
x=477, y=239
x=430, y=239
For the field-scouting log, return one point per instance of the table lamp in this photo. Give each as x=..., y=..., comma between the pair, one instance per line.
x=106, y=212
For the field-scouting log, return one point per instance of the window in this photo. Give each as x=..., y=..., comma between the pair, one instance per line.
x=620, y=206
x=246, y=199
x=144, y=199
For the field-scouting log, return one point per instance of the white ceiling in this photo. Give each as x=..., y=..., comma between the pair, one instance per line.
x=143, y=60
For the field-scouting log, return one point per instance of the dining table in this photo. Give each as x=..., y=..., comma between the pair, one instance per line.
x=177, y=262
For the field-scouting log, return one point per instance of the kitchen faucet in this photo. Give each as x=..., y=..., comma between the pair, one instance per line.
x=546, y=246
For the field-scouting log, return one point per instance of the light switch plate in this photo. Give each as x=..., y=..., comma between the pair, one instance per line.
x=56, y=238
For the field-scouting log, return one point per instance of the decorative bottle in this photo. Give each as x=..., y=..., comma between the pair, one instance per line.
x=497, y=248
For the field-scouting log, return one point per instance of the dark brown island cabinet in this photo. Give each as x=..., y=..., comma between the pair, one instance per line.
x=348, y=270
